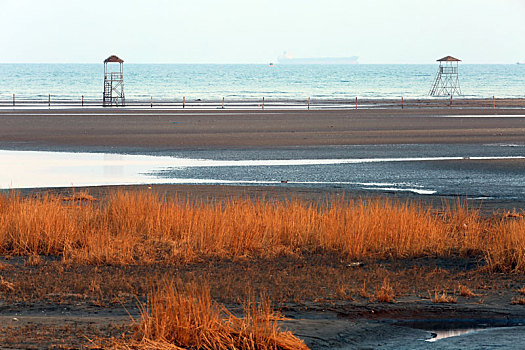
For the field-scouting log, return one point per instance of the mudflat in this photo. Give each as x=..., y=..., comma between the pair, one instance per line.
x=330, y=301
x=128, y=129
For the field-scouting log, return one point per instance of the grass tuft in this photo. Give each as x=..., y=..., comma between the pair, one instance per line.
x=443, y=298
x=466, y=292
x=185, y=317
x=386, y=293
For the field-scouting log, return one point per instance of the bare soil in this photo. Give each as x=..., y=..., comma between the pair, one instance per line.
x=330, y=301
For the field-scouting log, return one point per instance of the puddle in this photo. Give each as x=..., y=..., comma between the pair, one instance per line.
x=437, y=335
x=448, y=328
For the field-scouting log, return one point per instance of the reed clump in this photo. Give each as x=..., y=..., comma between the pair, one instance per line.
x=386, y=293
x=181, y=316
x=147, y=228
x=443, y=298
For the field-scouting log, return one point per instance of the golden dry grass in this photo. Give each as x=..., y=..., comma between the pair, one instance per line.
x=443, y=298
x=386, y=293
x=518, y=301
x=185, y=317
x=466, y=292
x=145, y=228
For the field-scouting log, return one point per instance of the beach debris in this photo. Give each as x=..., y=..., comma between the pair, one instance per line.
x=355, y=264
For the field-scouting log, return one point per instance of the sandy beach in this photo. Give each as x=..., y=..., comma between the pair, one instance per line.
x=323, y=313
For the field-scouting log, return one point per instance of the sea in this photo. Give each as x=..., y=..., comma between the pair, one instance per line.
x=172, y=82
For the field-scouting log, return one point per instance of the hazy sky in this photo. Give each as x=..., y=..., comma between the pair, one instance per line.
x=250, y=31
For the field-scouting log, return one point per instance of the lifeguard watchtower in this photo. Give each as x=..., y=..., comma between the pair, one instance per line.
x=114, y=83
x=447, y=79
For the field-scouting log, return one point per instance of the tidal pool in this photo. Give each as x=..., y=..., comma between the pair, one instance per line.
x=484, y=171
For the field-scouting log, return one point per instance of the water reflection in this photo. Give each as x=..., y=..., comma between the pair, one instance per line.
x=58, y=169
x=492, y=172
x=113, y=165
x=437, y=335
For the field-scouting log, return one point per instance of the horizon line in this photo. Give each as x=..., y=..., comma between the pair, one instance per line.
x=274, y=63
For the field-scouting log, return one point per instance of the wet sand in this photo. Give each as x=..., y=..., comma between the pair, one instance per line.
x=155, y=130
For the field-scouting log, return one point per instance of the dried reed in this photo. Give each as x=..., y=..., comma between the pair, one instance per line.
x=386, y=293
x=186, y=317
x=443, y=298
x=143, y=227
x=466, y=292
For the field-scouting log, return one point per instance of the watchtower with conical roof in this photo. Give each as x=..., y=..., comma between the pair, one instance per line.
x=113, y=83
x=447, y=78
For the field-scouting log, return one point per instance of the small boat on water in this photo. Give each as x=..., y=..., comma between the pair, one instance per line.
x=271, y=64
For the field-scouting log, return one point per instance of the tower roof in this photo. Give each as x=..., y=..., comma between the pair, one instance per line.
x=112, y=59
x=448, y=59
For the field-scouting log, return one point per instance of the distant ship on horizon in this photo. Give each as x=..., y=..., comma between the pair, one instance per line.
x=287, y=58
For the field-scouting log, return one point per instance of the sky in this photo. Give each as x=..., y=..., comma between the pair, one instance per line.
x=250, y=31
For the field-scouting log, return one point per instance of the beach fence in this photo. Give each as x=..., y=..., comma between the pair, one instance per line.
x=307, y=103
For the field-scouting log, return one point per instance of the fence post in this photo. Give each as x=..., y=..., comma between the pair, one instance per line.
x=82, y=100
x=308, y=103
x=263, y=103
x=183, y=101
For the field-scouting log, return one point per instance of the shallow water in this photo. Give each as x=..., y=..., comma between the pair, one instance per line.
x=476, y=171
